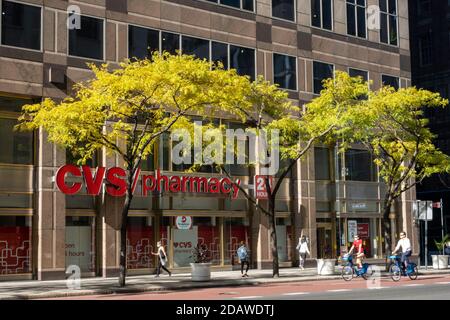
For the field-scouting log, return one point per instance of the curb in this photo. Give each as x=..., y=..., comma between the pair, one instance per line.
x=183, y=286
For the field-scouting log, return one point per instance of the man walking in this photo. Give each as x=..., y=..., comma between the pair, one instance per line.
x=242, y=253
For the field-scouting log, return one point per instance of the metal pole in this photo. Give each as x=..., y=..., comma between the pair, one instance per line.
x=426, y=239
x=442, y=225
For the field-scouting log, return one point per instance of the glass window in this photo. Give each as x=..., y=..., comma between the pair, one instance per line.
x=322, y=163
x=16, y=147
x=235, y=231
x=359, y=166
x=142, y=42
x=140, y=243
x=390, y=81
x=15, y=244
x=356, y=18
x=243, y=60
x=21, y=25
x=247, y=5
x=15, y=104
x=170, y=42
x=359, y=73
x=424, y=7
x=220, y=53
x=284, y=9
x=87, y=42
x=425, y=50
x=197, y=47
x=285, y=71
x=388, y=22
x=80, y=243
x=321, y=72
x=321, y=14
x=231, y=3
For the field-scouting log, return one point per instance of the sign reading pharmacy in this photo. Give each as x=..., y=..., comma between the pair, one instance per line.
x=115, y=180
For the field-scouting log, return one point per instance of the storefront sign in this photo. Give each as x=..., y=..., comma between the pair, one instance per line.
x=260, y=187
x=183, y=222
x=363, y=230
x=352, y=227
x=184, y=241
x=116, y=182
x=359, y=206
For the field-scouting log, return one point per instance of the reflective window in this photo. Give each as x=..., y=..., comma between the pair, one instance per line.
x=170, y=42
x=390, y=81
x=220, y=53
x=321, y=14
x=142, y=42
x=356, y=18
x=359, y=73
x=16, y=147
x=322, y=163
x=140, y=243
x=321, y=72
x=87, y=42
x=21, y=25
x=195, y=46
x=388, y=21
x=284, y=9
x=359, y=166
x=240, y=4
x=80, y=243
x=243, y=60
x=285, y=71
x=425, y=50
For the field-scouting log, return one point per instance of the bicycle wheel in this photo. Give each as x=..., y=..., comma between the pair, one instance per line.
x=347, y=273
x=369, y=273
x=395, y=272
x=413, y=275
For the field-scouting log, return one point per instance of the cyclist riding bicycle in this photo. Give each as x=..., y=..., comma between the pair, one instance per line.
x=358, y=246
x=405, y=245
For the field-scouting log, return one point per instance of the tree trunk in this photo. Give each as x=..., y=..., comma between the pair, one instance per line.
x=387, y=228
x=273, y=238
x=123, y=239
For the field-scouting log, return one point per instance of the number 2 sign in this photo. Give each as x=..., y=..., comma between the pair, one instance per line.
x=260, y=186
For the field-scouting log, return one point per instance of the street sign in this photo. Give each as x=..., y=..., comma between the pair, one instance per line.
x=352, y=227
x=425, y=210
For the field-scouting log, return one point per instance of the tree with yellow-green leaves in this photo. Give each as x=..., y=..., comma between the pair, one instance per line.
x=391, y=124
x=319, y=121
x=126, y=110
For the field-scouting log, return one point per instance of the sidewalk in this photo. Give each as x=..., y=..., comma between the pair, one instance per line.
x=148, y=283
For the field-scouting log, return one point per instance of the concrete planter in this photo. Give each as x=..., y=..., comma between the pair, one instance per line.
x=201, y=271
x=325, y=266
x=440, y=261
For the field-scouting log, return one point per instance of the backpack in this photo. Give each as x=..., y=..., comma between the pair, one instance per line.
x=242, y=253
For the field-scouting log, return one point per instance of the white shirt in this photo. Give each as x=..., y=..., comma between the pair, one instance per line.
x=405, y=244
x=303, y=247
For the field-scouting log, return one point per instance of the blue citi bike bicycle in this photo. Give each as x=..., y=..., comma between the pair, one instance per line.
x=351, y=270
x=397, y=270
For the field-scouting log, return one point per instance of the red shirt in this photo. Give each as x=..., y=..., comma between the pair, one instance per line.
x=356, y=244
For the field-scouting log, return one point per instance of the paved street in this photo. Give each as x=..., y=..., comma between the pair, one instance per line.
x=427, y=287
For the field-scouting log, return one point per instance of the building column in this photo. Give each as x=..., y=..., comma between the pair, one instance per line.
x=49, y=221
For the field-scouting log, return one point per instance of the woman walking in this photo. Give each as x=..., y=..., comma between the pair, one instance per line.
x=303, y=250
x=162, y=259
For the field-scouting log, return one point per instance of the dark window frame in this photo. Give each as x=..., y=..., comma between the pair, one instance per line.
x=295, y=70
x=241, y=5
x=422, y=61
x=359, y=70
x=103, y=39
x=41, y=27
x=130, y=25
x=321, y=13
x=356, y=8
x=390, y=76
x=313, y=77
x=294, y=13
x=386, y=12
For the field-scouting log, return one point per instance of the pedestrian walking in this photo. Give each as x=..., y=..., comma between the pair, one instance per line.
x=242, y=253
x=162, y=259
x=303, y=250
